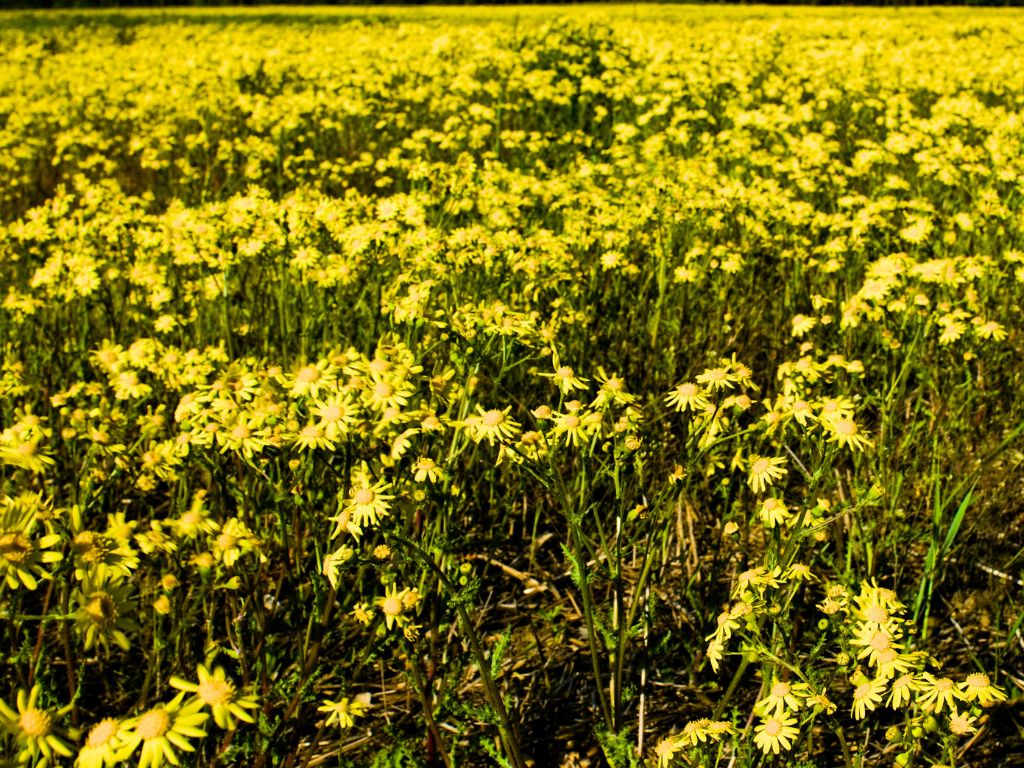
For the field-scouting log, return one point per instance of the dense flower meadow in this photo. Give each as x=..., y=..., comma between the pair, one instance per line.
x=620, y=386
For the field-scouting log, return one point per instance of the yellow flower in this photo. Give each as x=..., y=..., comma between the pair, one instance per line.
x=962, y=724
x=938, y=692
x=773, y=512
x=344, y=711
x=368, y=503
x=234, y=540
x=393, y=606
x=977, y=687
x=901, y=691
x=666, y=749
x=216, y=691
x=763, y=471
x=102, y=556
x=783, y=697
x=867, y=696
x=312, y=437
x=163, y=729
x=425, y=469
x=566, y=379
x=39, y=740
x=493, y=425
x=717, y=379
x=308, y=380
x=844, y=432
x=875, y=606
x=776, y=734
x=21, y=556
x=104, y=745
x=572, y=426
x=104, y=613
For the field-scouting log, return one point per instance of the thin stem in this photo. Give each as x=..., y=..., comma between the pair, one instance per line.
x=505, y=728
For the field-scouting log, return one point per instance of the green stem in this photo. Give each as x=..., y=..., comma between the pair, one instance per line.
x=506, y=730
x=842, y=743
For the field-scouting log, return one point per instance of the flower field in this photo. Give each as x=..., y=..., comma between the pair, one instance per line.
x=596, y=386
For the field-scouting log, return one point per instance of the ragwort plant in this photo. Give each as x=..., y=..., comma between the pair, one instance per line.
x=469, y=386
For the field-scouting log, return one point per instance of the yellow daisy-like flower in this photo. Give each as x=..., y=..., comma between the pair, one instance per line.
x=395, y=603
x=776, y=734
x=763, y=471
x=234, y=540
x=717, y=379
x=308, y=380
x=938, y=692
x=104, y=613
x=977, y=687
x=867, y=696
x=22, y=557
x=573, y=426
x=426, y=470
x=493, y=425
x=901, y=691
x=101, y=555
x=344, y=711
x=565, y=379
x=773, y=512
x=687, y=396
x=164, y=730
x=104, y=745
x=312, y=437
x=844, y=432
x=875, y=606
x=715, y=653
x=876, y=642
x=218, y=693
x=336, y=415
x=368, y=503
x=783, y=697
x=962, y=724
x=612, y=391
x=38, y=738
x=666, y=749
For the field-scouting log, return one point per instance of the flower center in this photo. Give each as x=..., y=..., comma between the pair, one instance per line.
x=101, y=608
x=876, y=614
x=363, y=496
x=492, y=418
x=880, y=641
x=214, y=692
x=35, y=723
x=977, y=680
x=780, y=690
x=391, y=606
x=15, y=547
x=773, y=727
x=308, y=375
x=92, y=547
x=845, y=427
x=101, y=733
x=153, y=724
